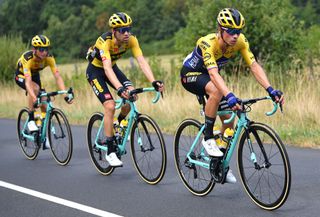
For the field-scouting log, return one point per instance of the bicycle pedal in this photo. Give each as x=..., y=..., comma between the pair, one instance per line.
x=117, y=166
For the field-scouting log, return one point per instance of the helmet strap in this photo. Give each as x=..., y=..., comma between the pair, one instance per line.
x=221, y=33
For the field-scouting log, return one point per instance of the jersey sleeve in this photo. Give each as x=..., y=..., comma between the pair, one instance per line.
x=205, y=48
x=103, y=46
x=246, y=52
x=135, y=47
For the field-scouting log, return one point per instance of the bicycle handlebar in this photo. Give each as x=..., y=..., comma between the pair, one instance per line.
x=251, y=101
x=50, y=94
x=136, y=91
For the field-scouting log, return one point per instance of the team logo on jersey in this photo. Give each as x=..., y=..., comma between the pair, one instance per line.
x=194, y=61
x=116, y=49
x=206, y=57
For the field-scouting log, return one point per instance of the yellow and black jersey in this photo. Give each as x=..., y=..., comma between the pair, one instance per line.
x=105, y=48
x=28, y=64
x=207, y=53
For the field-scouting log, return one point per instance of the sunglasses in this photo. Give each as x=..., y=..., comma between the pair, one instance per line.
x=42, y=49
x=122, y=30
x=233, y=31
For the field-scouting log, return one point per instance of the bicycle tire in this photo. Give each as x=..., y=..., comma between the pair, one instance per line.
x=269, y=186
x=29, y=148
x=148, y=150
x=97, y=156
x=196, y=179
x=60, y=137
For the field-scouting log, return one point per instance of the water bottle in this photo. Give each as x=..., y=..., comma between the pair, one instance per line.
x=123, y=126
x=37, y=118
x=227, y=136
x=217, y=135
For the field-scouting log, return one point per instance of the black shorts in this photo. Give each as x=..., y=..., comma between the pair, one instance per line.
x=21, y=80
x=98, y=81
x=195, y=82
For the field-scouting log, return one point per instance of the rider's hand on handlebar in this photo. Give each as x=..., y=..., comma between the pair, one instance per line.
x=122, y=92
x=69, y=97
x=276, y=95
x=158, y=85
x=233, y=101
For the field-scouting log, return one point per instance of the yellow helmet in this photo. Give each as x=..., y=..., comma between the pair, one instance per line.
x=120, y=19
x=40, y=41
x=230, y=18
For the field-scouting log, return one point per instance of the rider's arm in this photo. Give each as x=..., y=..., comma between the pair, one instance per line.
x=218, y=81
x=259, y=74
x=54, y=69
x=107, y=66
x=28, y=82
x=145, y=67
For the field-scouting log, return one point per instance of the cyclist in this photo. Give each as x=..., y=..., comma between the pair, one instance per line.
x=27, y=75
x=200, y=73
x=102, y=70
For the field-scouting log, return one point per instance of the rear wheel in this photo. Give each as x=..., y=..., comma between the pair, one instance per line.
x=148, y=150
x=60, y=137
x=29, y=148
x=197, y=179
x=95, y=133
x=268, y=181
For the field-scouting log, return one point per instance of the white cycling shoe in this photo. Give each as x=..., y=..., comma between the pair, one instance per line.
x=211, y=148
x=47, y=144
x=113, y=160
x=230, y=178
x=32, y=126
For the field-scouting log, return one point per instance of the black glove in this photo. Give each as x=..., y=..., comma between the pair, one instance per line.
x=156, y=84
x=121, y=90
x=70, y=96
x=274, y=93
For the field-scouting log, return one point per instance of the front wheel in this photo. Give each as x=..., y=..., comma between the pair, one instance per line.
x=264, y=166
x=148, y=150
x=29, y=148
x=60, y=137
x=95, y=134
x=197, y=179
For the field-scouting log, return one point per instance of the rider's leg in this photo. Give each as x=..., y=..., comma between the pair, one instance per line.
x=214, y=97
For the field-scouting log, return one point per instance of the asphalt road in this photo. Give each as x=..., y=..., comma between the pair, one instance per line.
x=43, y=188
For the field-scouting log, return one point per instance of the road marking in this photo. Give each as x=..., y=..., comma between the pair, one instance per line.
x=58, y=200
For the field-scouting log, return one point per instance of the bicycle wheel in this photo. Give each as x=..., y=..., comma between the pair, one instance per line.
x=60, y=137
x=197, y=179
x=268, y=181
x=97, y=155
x=29, y=148
x=148, y=150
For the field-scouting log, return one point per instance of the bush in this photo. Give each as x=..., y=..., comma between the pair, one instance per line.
x=11, y=48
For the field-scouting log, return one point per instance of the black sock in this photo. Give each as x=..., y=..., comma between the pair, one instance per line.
x=31, y=116
x=208, y=130
x=121, y=117
x=110, y=144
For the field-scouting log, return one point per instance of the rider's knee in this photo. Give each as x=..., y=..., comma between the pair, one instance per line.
x=109, y=106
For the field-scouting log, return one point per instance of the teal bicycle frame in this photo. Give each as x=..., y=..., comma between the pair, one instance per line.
x=132, y=116
x=242, y=123
x=49, y=108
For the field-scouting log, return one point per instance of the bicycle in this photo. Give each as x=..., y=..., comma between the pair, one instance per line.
x=148, y=149
x=263, y=162
x=55, y=124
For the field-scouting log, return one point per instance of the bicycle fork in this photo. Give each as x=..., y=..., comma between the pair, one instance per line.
x=253, y=156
